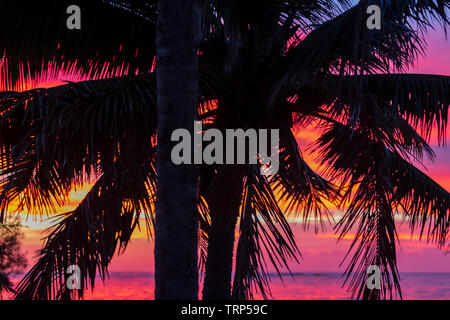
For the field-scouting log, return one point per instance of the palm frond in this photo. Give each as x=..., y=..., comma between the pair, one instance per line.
x=100, y=226
x=344, y=45
x=233, y=22
x=374, y=242
x=57, y=137
x=425, y=202
x=115, y=32
x=298, y=188
x=395, y=105
x=380, y=183
x=265, y=237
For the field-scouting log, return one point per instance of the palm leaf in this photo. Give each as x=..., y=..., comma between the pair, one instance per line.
x=344, y=45
x=115, y=32
x=95, y=118
x=265, y=236
x=380, y=182
x=90, y=235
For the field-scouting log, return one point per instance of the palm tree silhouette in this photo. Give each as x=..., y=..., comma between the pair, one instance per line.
x=338, y=76
x=337, y=84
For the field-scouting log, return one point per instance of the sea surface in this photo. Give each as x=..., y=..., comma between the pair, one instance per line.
x=300, y=286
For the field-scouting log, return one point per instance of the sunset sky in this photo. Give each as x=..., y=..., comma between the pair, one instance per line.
x=320, y=251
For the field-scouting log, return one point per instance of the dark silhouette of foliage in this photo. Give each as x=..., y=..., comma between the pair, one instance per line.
x=12, y=259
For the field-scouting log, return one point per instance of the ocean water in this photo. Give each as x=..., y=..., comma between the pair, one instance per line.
x=300, y=286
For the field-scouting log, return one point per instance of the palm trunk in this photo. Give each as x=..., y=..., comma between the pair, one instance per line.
x=224, y=215
x=219, y=262
x=178, y=31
